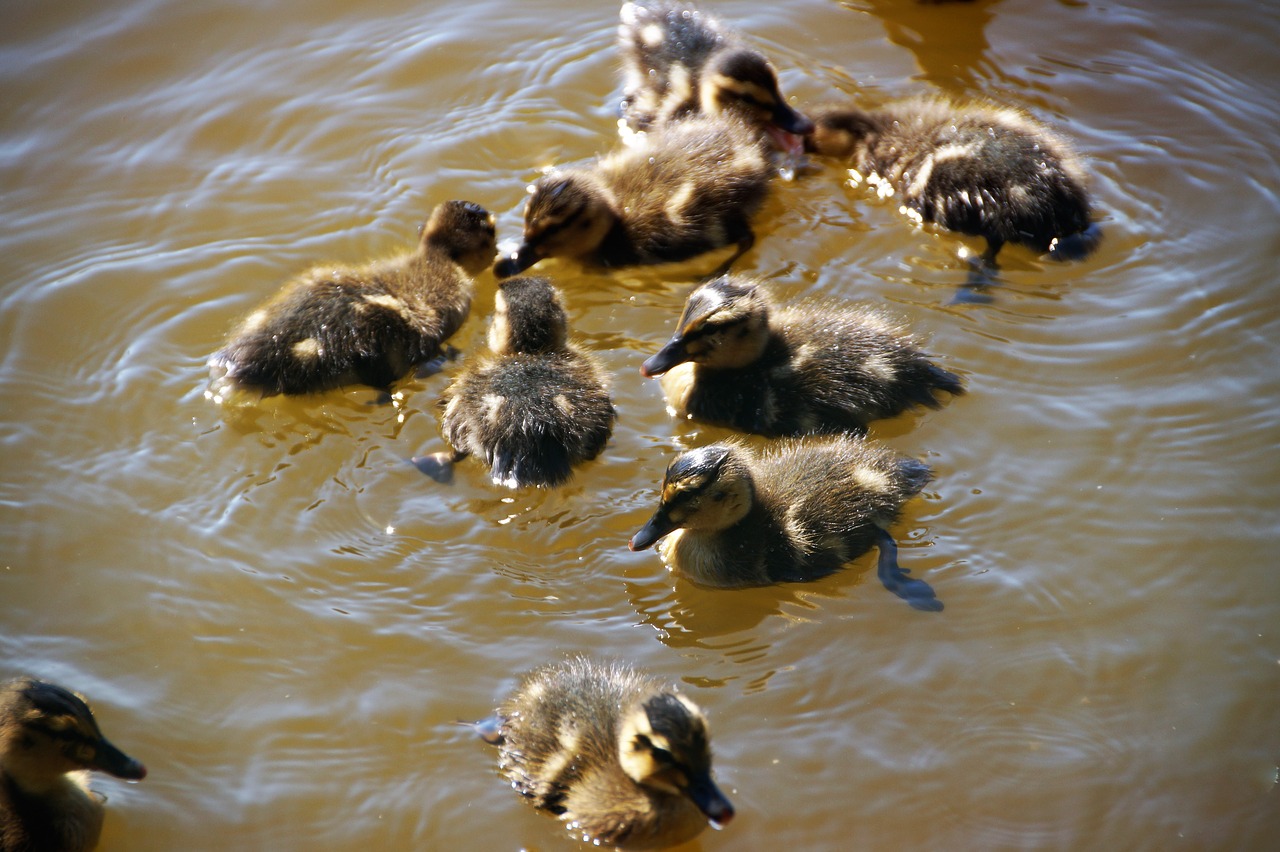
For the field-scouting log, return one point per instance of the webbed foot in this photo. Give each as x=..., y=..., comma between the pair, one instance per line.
x=438, y=466
x=917, y=593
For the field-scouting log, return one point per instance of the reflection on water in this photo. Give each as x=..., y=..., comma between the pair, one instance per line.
x=284, y=619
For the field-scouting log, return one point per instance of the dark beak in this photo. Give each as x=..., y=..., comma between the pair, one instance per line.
x=522, y=259
x=790, y=120
x=113, y=761
x=704, y=793
x=658, y=526
x=671, y=355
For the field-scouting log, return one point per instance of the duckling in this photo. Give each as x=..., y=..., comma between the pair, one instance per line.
x=621, y=759
x=692, y=188
x=741, y=360
x=336, y=325
x=535, y=410
x=981, y=170
x=797, y=512
x=48, y=742
x=678, y=61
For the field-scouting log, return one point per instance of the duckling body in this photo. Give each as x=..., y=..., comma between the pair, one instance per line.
x=981, y=170
x=48, y=742
x=337, y=325
x=538, y=407
x=799, y=511
x=690, y=188
x=739, y=359
x=621, y=759
x=678, y=61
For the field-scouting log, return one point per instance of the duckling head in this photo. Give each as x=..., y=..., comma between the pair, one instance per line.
x=566, y=215
x=663, y=745
x=465, y=231
x=725, y=325
x=742, y=81
x=527, y=317
x=837, y=132
x=47, y=731
x=707, y=489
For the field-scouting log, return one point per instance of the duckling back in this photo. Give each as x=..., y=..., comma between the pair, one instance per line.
x=619, y=758
x=740, y=360
x=336, y=325
x=539, y=406
x=691, y=188
x=664, y=46
x=985, y=171
x=48, y=741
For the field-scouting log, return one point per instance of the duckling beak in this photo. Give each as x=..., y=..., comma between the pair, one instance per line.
x=704, y=793
x=517, y=262
x=788, y=130
x=113, y=761
x=671, y=355
x=658, y=526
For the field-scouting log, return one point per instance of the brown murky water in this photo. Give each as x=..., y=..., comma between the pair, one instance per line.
x=283, y=619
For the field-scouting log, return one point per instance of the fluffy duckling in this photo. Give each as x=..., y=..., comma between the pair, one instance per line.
x=739, y=359
x=692, y=188
x=797, y=512
x=338, y=325
x=678, y=61
x=982, y=170
x=621, y=759
x=48, y=742
x=536, y=409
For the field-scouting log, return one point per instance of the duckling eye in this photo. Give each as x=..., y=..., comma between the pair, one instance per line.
x=718, y=496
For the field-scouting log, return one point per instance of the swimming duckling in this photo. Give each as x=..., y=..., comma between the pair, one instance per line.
x=982, y=170
x=797, y=512
x=740, y=359
x=678, y=61
x=621, y=759
x=694, y=187
x=536, y=409
x=338, y=325
x=48, y=742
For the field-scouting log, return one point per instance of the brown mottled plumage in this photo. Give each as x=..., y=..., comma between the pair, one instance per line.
x=336, y=325
x=797, y=512
x=678, y=61
x=982, y=170
x=742, y=360
x=535, y=409
x=621, y=759
x=48, y=742
x=690, y=188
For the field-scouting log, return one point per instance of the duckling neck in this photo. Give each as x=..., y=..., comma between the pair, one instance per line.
x=737, y=556
x=62, y=817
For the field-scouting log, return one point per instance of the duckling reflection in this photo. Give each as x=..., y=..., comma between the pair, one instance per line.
x=49, y=741
x=692, y=188
x=337, y=325
x=947, y=37
x=621, y=759
x=537, y=409
x=678, y=60
x=740, y=359
x=982, y=170
x=801, y=510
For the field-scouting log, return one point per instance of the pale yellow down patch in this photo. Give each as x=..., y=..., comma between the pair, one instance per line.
x=651, y=36
x=309, y=348
x=493, y=406
x=871, y=479
x=385, y=300
x=562, y=402
x=879, y=366
x=254, y=321
x=679, y=200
